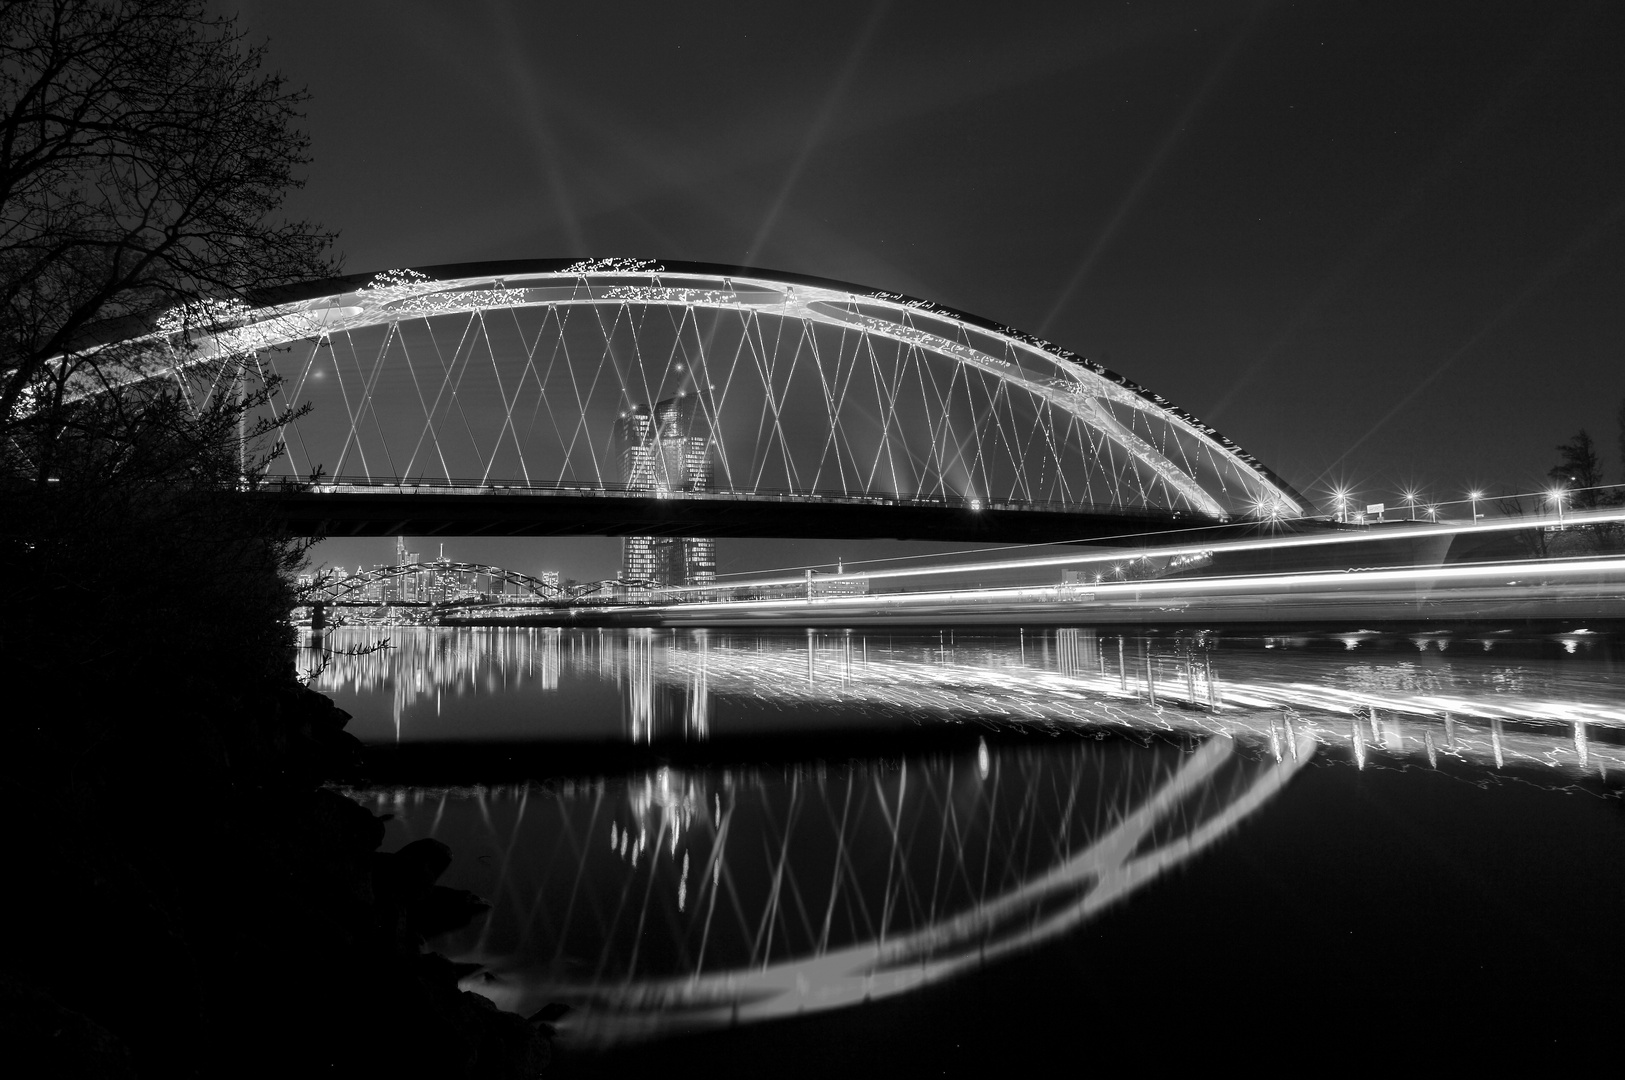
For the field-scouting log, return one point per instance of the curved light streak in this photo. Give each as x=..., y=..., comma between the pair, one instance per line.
x=1588, y=588
x=1213, y=548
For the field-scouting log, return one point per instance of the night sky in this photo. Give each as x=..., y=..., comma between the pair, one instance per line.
x=1376, y=244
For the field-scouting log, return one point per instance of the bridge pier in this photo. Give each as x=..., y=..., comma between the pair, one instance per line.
x=318, y=624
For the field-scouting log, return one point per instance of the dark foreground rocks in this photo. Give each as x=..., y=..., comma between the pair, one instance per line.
x=186, y=900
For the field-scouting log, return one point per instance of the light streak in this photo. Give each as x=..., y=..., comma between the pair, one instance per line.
x=1257, y=585
x=1215, y=548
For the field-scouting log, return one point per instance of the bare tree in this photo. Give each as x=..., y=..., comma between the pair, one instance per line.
x=144, y=158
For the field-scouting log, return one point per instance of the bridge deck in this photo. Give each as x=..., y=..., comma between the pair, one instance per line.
x=541, y=512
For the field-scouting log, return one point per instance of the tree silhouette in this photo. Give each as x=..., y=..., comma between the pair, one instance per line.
x=1580, y=470
x=1622, y=433
x=144, y=156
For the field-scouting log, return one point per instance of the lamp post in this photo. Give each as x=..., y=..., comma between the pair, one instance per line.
x=1473, y=497
x=1556, y=496
x=1409, y=499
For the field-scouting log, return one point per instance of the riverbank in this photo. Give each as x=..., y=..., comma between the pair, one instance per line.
x=195, y=903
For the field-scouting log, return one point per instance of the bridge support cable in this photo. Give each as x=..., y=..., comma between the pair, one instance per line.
x=802, y=383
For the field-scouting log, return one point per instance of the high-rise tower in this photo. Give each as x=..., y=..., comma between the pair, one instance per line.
x=664, y=450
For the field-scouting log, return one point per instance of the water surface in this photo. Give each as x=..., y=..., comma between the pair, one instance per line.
x=985, y=827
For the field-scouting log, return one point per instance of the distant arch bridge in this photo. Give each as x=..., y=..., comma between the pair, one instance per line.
x=355, y=588
x=626, y=397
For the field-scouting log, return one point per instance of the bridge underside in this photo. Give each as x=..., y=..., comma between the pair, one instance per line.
x=507, y=514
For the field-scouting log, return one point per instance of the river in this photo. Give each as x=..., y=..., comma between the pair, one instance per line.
x=934, y=852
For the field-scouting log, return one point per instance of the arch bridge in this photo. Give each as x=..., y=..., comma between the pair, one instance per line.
x=627, y=397
x=375, y=586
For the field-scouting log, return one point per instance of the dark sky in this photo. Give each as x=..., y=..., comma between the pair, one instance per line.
x=1381, y=244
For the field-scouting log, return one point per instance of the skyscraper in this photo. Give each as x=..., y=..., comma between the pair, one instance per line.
x=664, y=450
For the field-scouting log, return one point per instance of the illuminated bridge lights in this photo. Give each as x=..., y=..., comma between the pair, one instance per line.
x=514, y=374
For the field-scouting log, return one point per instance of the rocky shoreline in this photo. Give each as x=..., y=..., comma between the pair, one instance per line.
x=200, y=905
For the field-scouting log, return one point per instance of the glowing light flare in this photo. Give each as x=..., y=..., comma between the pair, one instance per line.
x=1342, y=499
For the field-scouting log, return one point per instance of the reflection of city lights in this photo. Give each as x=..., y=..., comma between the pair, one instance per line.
x=677, y=854
x=669, y=681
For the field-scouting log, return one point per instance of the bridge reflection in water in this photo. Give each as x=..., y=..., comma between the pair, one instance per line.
x=682, y=898
x=678, y=900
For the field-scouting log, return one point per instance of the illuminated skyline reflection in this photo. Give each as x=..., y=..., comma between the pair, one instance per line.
x=683, y=897
x=1479, y=700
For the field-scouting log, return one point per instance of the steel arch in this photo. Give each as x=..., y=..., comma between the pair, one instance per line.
x=918, y=400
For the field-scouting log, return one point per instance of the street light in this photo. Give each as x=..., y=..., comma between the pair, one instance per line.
x=1556, y=496
x=1473, y=497
x=1340, y=499
x=1409, y=499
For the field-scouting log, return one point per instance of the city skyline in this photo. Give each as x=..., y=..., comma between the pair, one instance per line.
x=853, y=536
